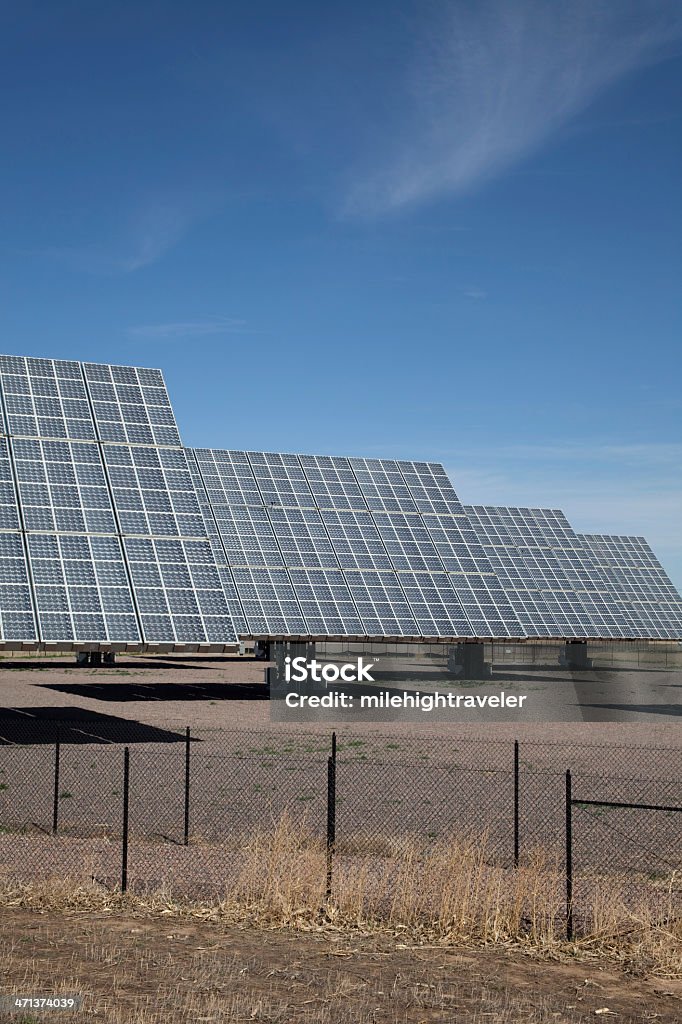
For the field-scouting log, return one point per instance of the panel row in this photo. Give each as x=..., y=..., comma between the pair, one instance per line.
x=637, y=577
x=63, y=399
x=314, y=481
x=356, y=569
x=332, y=546
x=324, y=602
x=111, y=532
x=554, y=582
x=107, y=535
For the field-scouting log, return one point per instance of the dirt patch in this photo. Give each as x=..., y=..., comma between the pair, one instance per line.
x=143, y=969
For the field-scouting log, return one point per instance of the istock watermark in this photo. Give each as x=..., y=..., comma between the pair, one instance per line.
x=298, y=670
x=379, y=682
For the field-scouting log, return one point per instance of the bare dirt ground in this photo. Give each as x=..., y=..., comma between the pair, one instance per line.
x=229, y=693
x=144, y=970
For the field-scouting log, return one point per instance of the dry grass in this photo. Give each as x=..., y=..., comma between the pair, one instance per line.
x=448, y=894
x=386, y=949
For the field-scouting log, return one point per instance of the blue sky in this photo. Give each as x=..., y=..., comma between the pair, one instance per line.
x=441, y=231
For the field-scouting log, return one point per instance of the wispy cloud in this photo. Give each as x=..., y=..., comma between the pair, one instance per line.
x=189, y=328
x=659, y=453
x=159, y=228
x=146, y=233
x=472, y=291
x=497, y=78
x=628, y=488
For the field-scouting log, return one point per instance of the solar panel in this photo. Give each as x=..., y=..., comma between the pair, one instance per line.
x=332, y=483
x=366, y=547
x=109, y=544
x=549, y=574
x=640, y=581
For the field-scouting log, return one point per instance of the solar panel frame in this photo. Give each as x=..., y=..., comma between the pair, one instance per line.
x=638, y=579
x=96, y=462
x=268, y=601
x=114, y=534
x=302, y=538
x=552, y=581
x=382, y=485
x=382, y=604
x=281, y=480
x=356, y=540
x=389, y=554
x=332, y=483
x=326, y=602
x=434, y=604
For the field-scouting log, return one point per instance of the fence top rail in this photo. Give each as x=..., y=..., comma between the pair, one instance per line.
x=618, y=803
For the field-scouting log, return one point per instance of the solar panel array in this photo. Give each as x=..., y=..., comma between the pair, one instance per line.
x=112, y=533
x=549, y=575
x=100, y=528
x=636, y=575
x=320, y=546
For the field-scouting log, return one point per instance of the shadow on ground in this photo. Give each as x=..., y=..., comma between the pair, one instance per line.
x=200, y=662
x=76, y=725
x=643, y=709
x=123, y=692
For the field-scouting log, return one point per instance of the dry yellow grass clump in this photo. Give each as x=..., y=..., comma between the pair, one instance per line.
x=447, y=894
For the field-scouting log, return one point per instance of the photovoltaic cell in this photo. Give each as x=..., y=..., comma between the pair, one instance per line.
x=96, y=491
x=368, y=547
x=17, y=618
x=382, y=604
x=332, y=483
x=268, y=601
x=549, y=574
x=430, y=488
x=326, y=602
x=355, y=539
x=434, y=604
x=302, y=538
x=407, y=541
x=281, y=480
x=638, y=579
x=382, y=485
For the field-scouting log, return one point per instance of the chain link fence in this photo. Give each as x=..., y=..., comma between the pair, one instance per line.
x=197, y=802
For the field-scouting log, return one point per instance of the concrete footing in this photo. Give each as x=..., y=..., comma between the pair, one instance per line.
x=95, y=659
x=280, y=650
x=468, y=661
x=574, y=656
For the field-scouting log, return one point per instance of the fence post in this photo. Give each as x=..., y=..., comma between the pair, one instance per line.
x=516, y=803
x=569, y=857
x=187, y=760
x=334, y=747
x=331, y=821
x=126, y=803
x=55, y=800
